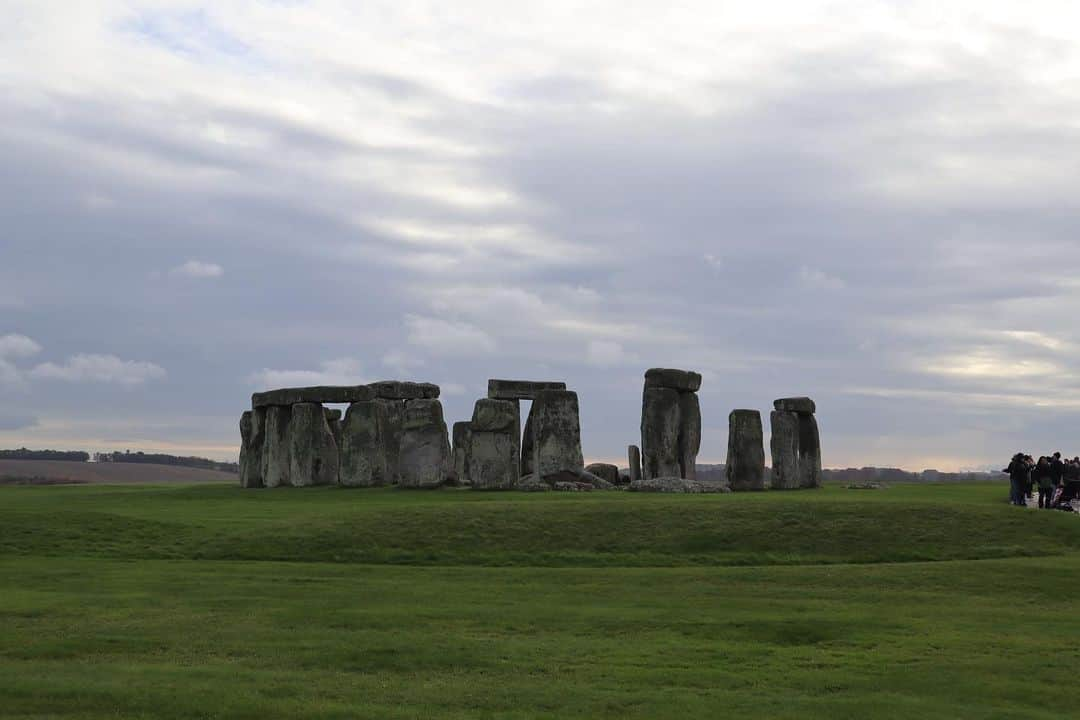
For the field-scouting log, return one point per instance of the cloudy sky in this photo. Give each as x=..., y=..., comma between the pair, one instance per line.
x=873, y=203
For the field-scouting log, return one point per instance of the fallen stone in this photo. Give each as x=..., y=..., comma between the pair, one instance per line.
x=529, y=483
x=556, y=433
x=568, y=486
x=689, y=434
x=673, y=485
x=660, y=416
x=796, y=404
x=746, y=451
x=635, y=462
x=424, y=459
x=313, y=454
x=605, y=471
x=682, y=380
x=317, y=394
x=404, y=390
x=462, y=439
x=363, y=448
x=276, y=462
x=520, y=389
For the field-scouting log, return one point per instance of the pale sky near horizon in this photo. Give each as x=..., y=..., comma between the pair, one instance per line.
x=872, y=203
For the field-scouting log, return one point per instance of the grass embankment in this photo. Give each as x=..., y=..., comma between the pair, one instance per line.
x=143, y=601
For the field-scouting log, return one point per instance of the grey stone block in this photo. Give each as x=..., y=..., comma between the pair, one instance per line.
x=313, y=454
x=796, y=404
x=520, y=389
x=784, y=447
x=424, y=459
x=634, y=454
x=493, y=461
x=363, y=446
x=276, y=462
x=682, y=380
x=605, y=471
x=556, y=433
x=746, y=451
x=316, y=394
x=462, y=437
x=404, y=390
x=660, y=421
x=495, y=415
x=689, y=434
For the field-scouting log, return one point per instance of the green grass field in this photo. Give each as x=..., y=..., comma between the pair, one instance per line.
x=919, y=601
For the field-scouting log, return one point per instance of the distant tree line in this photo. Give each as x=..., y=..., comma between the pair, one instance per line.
x=25, y=454
x=162, y=459
x=857, y=476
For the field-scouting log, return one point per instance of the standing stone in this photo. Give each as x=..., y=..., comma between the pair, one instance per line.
x=394, y=418
x=424, y=458
x=605, y=471
x=363, y=446
x=462, y=436
x=660, y=416
x=809, y=452
x=276, y=463
x=796, y=444
x=556, y=431
x=333, y=419
x=746, y=451
x=528, y=453
x=251, y=466
x=493, y=452
x=635, y=463
x=689, y=433
x=245, y=441
x=313, y=454
x=784, y=446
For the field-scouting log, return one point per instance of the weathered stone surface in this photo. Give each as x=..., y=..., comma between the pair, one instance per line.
x=529, y=483
x=784, y=447
x=391, y=435
x=746, y=451
x=796, y=450
x=520, y=389
x=606, y=471
x=317, y=394
x=424, y=459
x=635, y=462
x=313, y=455
x=682, y=380
x=246, y=456
x=363, y=449
x=404, y=390
x=689, y=434
x=673, y=485
x=333, y=419
x=493, y=462
x=796, y=404
x=660, y=415
x=494, y=415
x=528, y=452
x=556, y=431
x=276, y=463
x=809, y=452
x=462, y=437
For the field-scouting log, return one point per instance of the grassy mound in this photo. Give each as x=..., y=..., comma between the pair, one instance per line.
x=909, y=523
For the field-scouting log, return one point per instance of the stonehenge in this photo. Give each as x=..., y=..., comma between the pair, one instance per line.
x=394, y=433
x=795, y=444
x=670, y=423
x=746, y=451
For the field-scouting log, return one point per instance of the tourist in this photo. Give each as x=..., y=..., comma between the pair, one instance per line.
x=1019, y=476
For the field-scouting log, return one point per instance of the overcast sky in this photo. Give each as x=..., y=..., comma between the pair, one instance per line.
x=872, y=203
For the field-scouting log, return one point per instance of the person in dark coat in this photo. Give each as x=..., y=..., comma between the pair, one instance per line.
x=1019, y=476
x=1055, y=479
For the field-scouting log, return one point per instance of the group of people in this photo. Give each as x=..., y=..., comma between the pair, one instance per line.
x=1057, y=480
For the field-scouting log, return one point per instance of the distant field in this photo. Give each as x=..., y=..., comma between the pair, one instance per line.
x=126, y=473
x=920, y=601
